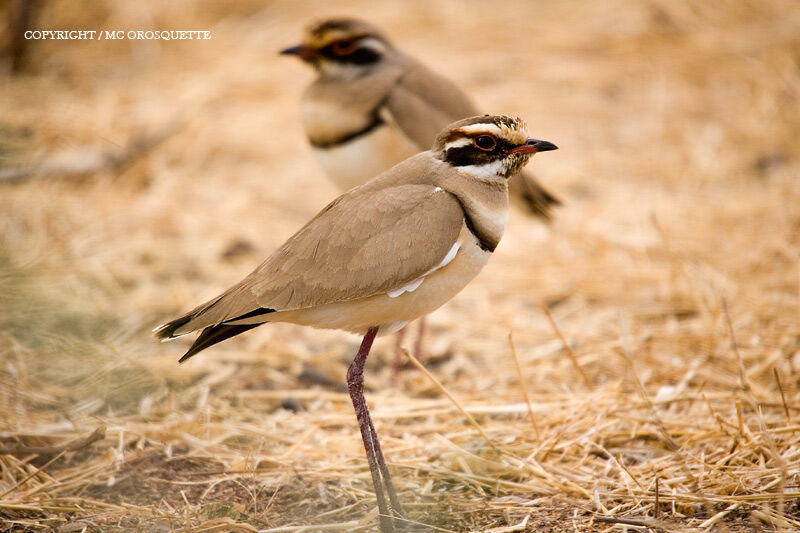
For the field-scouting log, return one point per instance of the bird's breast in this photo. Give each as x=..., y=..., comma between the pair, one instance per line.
x=328, y=121
x=359, y=159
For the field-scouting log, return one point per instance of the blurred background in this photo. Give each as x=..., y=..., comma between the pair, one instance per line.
x=139, y=178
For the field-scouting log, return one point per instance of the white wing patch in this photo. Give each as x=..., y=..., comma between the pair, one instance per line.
x=408, y=287
x=414, y=285
x=449, y=257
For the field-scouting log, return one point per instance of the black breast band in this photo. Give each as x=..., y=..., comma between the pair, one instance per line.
x=485, y=245
x=346, y=138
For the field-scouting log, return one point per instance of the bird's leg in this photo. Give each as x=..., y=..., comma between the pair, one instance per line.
x=398, y=509
x=387, y=479
x=420, y=337
x=355, y=384
x=399, y=360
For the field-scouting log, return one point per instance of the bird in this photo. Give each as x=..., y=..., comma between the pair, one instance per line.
x=380, y=255
x=372, y=106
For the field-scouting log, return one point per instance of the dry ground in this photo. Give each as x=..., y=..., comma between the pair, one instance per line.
x=679, y=168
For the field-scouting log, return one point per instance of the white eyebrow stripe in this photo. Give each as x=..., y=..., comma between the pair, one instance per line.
x=464, y=141
x=482, y=128
x=373, y=44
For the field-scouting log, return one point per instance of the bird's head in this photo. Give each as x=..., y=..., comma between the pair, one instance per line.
x=488, y=146
x=341, y=44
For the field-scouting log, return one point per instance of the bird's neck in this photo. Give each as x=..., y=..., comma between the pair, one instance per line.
x=485, y=204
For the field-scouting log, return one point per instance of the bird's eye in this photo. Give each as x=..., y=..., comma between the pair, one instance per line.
x=484, y=142
x=344, y=48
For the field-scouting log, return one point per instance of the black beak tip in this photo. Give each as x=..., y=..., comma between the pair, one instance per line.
x=291, y=51
x=542, y=146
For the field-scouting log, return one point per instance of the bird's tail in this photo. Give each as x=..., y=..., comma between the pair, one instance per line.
x=214, y=334
x=218, y=320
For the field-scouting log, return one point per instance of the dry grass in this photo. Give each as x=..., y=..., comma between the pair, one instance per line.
x=680, y=170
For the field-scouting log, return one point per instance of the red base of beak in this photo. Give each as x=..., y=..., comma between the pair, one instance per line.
x=532, y=146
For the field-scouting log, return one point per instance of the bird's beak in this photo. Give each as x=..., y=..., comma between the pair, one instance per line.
x=532, y=146
x=302, y=51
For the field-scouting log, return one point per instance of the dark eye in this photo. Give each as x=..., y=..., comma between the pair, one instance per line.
x=344, y=48
x=484, y=142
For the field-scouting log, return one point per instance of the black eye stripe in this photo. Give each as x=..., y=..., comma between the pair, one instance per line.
x=349, y=51
x=469, y=155
x=460, y=156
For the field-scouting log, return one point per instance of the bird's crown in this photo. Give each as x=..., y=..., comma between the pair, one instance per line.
x=325, y=32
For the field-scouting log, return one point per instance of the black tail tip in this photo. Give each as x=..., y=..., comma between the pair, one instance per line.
x=213, y=335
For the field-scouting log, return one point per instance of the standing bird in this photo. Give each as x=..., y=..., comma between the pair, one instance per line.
x=373, y=106
x=381, y=255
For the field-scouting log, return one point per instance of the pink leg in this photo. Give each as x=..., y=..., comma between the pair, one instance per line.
x=399, y=359
x=377, y=464
x=420, y=337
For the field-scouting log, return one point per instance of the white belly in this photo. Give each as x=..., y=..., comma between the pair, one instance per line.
x=363, y=158
x=390, y=313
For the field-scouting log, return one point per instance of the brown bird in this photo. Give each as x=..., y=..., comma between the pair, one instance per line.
x=381, y=255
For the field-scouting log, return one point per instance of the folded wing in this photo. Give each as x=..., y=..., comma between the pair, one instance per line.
x=364, y=243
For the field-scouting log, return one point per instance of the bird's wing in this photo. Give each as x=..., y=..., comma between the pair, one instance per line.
x=422, y=103
x=364, y=243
